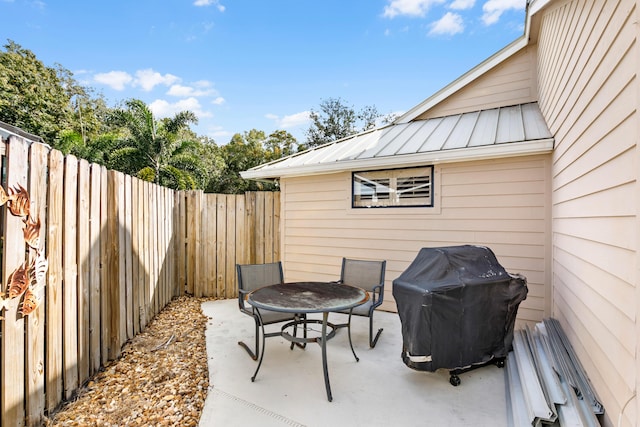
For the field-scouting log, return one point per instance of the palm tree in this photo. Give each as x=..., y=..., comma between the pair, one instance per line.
x=156, y=150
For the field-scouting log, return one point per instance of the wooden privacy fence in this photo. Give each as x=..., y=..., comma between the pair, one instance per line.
x=220, y=231
x=118, y=250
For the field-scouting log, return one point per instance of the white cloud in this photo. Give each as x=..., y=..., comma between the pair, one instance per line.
x=493, y=9
x=218, y=101
x=409, y=7
x=462, y=4
x=188, y=91
x=450, y=24
x=162, y=108
x=216, y=3
x=290, y=121
x=116, y=80
x=148, y=79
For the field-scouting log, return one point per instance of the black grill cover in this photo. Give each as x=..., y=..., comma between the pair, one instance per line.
x=457, y=306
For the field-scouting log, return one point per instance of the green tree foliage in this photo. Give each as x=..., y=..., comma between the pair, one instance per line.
x=336, y=120
x=248, y=150
x=48, y=101
x=32, y=96
x=156, y=150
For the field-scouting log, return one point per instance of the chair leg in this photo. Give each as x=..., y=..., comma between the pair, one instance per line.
x=253, y=355
x=374, y=341
x=350, y=342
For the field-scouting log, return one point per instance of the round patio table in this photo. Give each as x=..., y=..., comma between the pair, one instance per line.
x=304, y=298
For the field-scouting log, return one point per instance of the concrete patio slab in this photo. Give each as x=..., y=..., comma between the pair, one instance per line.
x=379, y=390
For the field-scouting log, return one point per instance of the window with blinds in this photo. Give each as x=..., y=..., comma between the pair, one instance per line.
x=409, y=187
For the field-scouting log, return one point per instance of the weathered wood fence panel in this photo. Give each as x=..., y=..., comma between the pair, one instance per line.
x=118, y=250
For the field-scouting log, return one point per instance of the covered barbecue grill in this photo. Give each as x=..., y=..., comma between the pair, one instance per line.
x=457, y=306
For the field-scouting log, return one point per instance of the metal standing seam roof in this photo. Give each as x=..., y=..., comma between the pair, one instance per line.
x=492, y=133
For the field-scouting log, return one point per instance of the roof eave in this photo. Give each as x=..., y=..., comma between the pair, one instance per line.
x=524, y=148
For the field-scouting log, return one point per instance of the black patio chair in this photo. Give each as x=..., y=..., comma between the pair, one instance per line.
x=368, y=275
x=250, y=278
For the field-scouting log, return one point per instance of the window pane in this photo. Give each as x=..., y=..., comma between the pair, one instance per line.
x=393, y=187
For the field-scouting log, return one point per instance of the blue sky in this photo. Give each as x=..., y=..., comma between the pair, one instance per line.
x=263, y=64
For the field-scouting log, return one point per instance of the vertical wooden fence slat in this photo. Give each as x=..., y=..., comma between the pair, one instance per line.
x=193, y=225
x=128, y=272
x=259, y=238
x=242, y=249
x=121, y=303
x=211, y=254
x=153, y=216
x=35, y=322
x=69, y=282
x=112, y=296
x=12, y=342
x=94, y=269
x=180, y=241
x=148, y=287
x=229, y=280
x=250, y=224
x=139, y=256
x=135, y=249
x=105, y=267
x=160, y=245
x=268, y=227
x=82, y=261
x=54, y=292
x=164, y=265
x=276, y=226
x=221, y=249
x=169, y=257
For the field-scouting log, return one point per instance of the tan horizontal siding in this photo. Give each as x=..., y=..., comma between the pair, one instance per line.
x=511, y=82
x=588, y=94
x=502, y=204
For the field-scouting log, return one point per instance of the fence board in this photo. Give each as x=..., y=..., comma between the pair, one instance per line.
x=229, y=281
x=193, y=228
x=221, y=249
x=105, y=242
x=128, y=268
x=260, y=228
x=94, y=269
x=35, y=322
x=153, y=266
x=268, y=229
x=69, y=281
x=83, y=248
x=147, y=253
x=276, y=227
x=112, y=297
x=135, y=249
x=121, y=283
x=180, y=242
x=210, y=242
x=53, y=301
x=12, y=344
x=250, y=224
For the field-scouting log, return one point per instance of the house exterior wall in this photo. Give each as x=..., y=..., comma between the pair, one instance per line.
x=588, y=93
x=503, y=204
x=509, y=83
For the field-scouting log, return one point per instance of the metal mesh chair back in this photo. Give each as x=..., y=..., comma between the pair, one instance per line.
x=254, y=276
x=363, y=274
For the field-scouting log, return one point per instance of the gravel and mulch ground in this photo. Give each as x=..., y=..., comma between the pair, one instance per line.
x=161, y=379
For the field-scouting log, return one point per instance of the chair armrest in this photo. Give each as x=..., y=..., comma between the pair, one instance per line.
x=242, y=296
x=377, y=296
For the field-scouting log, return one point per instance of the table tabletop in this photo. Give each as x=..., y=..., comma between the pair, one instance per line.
x=307, y=297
